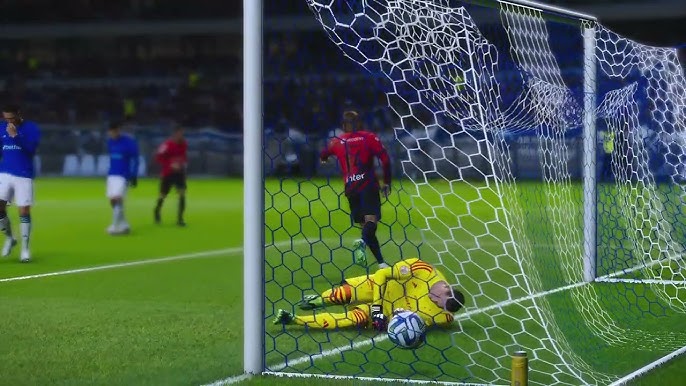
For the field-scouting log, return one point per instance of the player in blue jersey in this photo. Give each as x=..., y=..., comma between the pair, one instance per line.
x=20, y=140
x=123, y=151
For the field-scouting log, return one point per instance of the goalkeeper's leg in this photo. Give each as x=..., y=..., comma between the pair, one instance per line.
x=357, y=317
x=354, y=290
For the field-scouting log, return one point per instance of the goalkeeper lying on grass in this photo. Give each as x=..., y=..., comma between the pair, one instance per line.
x=410, y=284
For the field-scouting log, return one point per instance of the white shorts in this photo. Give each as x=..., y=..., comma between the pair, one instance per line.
x=16, y=189
x=116, y=187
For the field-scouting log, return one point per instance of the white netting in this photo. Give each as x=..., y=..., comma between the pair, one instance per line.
x=651, y=210
x=484, y=95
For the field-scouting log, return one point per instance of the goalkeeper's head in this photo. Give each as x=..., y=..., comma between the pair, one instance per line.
x=351, y=121
x=447, y=297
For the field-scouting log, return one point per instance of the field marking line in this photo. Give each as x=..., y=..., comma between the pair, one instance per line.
x=275, y=369
x=623, y=380
x=301, y=360
x=234, y=250
x=371, y=379
x=166, y=259
x=367, y=342
x=326, y=353
x=635, y=268
x=185, y=256
x=642, y=281
x=381, y=338
x=231, y=380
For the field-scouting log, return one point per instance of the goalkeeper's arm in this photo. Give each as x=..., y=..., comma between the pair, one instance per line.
x=400, y=271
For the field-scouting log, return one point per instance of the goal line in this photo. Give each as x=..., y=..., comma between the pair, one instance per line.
x=371, y=379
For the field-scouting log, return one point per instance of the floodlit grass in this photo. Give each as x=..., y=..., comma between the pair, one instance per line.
x=180, y=321
x=169, y=323
x=470, y=242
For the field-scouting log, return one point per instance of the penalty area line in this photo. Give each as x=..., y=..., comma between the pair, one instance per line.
x=166, y=259
x=105, y=267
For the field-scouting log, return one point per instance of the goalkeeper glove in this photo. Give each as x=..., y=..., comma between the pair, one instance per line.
x=133, y=182
x=379, y=320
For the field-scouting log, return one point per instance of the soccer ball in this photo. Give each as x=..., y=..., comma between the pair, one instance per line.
x=406, y=329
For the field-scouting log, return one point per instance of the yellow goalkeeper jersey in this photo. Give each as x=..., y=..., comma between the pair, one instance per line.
x=408, y=288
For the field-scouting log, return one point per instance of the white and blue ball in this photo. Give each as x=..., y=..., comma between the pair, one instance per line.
x=406, y=329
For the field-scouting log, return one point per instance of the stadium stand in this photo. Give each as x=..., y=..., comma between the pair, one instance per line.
x=81, y=83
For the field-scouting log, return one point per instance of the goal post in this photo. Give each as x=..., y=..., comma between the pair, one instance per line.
x=590, y=155
x=253, y=191
x=538, y=165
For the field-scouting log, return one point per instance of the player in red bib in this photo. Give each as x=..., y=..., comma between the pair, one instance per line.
x=356, y=150
x=172, y=157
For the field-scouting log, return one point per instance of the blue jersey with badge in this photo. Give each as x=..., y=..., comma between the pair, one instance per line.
x=18, y=152
x=123, y=157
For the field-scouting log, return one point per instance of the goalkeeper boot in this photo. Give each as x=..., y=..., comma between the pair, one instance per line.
x=283, y=317
x=360, y=252
x=312, y=302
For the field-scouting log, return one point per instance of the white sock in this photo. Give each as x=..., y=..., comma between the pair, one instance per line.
x=5, y=226
x=25, y=226
x=117, y=214
x=119, y=220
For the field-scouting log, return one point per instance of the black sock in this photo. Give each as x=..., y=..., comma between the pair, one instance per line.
x=369, y=237
x=4, y=224
x=182, y=207
x=158, y=207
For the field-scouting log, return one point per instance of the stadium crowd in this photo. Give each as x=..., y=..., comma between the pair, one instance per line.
x=196, y=79
x=22, y=11
x=90, y=81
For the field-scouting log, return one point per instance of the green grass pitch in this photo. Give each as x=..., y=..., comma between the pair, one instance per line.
x=467, y=223
x=176, y=319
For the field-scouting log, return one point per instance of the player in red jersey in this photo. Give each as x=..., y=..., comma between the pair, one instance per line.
x=356, y=150
x=172, y=157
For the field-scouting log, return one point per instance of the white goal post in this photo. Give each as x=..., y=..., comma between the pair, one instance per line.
x=253, y=190
x=548, y=261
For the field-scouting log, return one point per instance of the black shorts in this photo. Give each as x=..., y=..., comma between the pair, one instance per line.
x=177, y=180
x=363, y=203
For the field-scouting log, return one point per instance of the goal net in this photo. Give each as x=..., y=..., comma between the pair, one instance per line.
x=541, y=168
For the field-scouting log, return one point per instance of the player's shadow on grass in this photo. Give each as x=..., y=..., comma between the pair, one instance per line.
x=15, y=260
x=147, y=229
